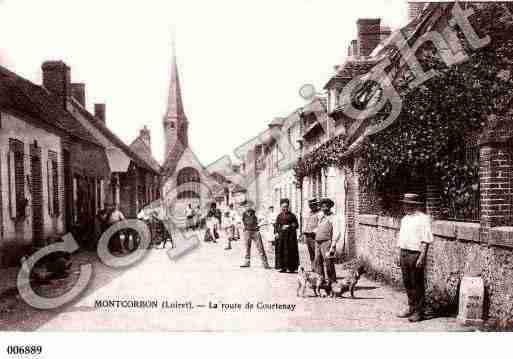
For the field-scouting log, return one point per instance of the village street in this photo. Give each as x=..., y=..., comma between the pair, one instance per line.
x=209, y=274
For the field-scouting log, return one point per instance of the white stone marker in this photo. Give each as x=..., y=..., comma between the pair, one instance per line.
x=471, y=301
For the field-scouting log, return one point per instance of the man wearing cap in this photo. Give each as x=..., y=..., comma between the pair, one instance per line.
x=325, y=246
x=252, y=234
x=415, y=236
x=310, y=228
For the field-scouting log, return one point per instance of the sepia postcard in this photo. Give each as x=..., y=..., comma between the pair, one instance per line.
x=255, y=166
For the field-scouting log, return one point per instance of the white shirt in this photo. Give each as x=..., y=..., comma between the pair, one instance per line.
x=234, y=216
x=227, y=222
x=415, y=230
x=116, y=216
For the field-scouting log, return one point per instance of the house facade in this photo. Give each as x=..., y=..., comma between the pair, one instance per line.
x=60, y=164
x=464, y=176
x=42, y=148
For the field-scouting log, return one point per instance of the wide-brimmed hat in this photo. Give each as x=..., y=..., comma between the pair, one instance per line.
x=247, y=203
x=411, y=198
x=327, y=201
x=313, y=202
x=284, y=200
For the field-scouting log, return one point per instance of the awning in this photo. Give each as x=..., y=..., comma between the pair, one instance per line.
x=118, y=160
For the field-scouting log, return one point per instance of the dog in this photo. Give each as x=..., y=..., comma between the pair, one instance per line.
x=313, y=280
x=348, y=283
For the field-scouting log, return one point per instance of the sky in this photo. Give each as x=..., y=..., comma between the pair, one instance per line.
x=241, y=63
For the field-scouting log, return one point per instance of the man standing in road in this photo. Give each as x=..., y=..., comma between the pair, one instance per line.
x=324, y=244
x=311, y=227
x=252, y=234
x=415, y=236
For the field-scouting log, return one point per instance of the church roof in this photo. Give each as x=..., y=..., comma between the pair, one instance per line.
x=172, y=158
x=174, y=102
x=144, y=152
x=175, y=112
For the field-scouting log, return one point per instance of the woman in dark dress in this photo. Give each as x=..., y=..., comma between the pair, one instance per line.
x=286, y=248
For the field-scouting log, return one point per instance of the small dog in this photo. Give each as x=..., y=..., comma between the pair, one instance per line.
x=347, y=283
x=313, y=280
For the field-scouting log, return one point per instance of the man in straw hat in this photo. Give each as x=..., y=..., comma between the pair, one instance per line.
x=252, y=234
x=414, y=238
x=324, y=244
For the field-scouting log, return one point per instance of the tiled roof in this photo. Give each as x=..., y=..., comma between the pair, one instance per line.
x=35, y=101
x=172, y=158
x=278, y=121
x=351, y=69
x=318, y=105
x=143, y=151
x=112, y=137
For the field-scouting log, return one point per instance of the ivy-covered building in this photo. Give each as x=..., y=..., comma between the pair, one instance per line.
x=444, y=131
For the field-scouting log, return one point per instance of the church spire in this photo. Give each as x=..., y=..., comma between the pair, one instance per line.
x=174, y=102
x=175, y=121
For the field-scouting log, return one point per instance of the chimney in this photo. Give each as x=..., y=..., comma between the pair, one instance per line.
x=415, y=8
x=99, y=111
x=144, y=134
x=57, y=79
x=354, y=48
x=368, y=35
x=78, y=92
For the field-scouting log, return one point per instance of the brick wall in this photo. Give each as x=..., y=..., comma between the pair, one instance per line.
x=495, y=177
x=352, y=207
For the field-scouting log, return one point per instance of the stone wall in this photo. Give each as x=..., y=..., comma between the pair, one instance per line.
x=456, y=252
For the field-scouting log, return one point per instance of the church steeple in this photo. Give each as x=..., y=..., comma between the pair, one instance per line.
x=175, y=121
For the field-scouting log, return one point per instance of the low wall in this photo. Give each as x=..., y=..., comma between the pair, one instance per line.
x=457, y=251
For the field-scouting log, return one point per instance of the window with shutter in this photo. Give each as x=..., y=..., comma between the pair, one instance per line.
x=55, y=175
x=17, y=199
x=49, y=179
x=53, y=183
x=75, y=202
x=102, y=194
x=12, y=185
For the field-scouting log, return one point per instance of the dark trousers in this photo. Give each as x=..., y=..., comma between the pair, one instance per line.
x=254, y=236
x=310, y=244
x=413, y=280
x=323, y=265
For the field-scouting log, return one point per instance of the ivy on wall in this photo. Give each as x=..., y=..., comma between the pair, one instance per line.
x=430, y=136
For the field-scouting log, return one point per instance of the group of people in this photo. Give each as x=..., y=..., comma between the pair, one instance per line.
x=160, y=235
x=105, y=218
x=321, y=236
x=222, y=226
x=318, y=235
x=193, y=217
